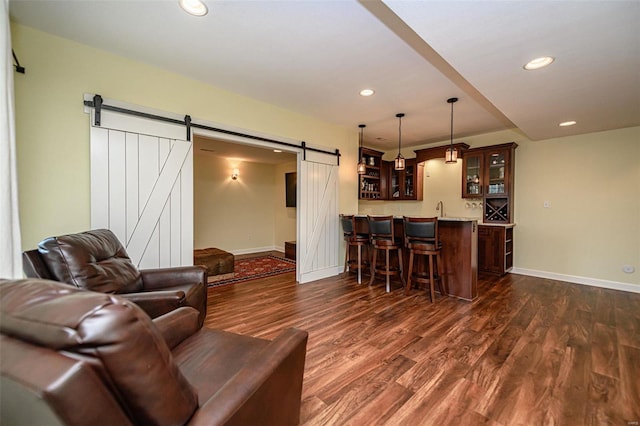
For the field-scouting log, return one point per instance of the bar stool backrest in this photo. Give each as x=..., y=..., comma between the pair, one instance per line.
x=381, y=227
x=348, y=224
x=420, y=230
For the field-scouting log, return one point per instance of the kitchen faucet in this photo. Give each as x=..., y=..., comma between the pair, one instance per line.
x=440, y=208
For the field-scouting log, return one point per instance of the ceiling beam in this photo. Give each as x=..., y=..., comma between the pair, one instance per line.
x=392, y=21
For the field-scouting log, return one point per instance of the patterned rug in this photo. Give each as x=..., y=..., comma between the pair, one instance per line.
x=254, y=268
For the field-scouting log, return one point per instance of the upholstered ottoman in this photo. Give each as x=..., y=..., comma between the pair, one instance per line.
x=216, y=261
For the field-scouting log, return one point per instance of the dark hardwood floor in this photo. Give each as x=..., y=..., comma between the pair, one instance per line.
x=528, y=351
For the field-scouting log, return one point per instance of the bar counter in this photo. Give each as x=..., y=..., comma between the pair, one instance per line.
x=459, y=237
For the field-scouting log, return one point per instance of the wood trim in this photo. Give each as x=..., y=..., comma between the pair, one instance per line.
x=438, y=151
x=508, y=145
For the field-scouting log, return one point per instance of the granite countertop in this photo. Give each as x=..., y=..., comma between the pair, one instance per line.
x=445, y=218
x=505, y=225
x=459, y=219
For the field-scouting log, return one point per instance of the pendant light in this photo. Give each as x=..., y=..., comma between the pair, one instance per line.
x=399, y=162
x=362, y=165
x=451, y=154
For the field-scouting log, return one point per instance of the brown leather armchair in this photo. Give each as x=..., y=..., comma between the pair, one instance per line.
x=77, y=357
x=96, y=260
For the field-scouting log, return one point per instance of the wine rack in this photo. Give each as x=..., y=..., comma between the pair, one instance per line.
x=496, y=210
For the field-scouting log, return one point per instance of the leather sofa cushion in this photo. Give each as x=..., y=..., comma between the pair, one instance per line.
x=93, y=260
x=112, y=335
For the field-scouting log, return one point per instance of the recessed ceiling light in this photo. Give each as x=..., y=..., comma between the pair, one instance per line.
x=194, y=7
x=567, y=123
x=367, y=92
x=277, y=150
x=539, y=63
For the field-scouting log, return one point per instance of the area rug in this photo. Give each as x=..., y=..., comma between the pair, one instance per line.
x=256, y=267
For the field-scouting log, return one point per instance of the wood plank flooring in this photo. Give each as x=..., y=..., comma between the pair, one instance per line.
x=528, y=351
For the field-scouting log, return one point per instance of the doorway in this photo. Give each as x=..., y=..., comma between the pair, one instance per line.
x=240, y=197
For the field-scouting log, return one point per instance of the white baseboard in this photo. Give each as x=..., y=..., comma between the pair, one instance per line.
x=613, y=285
x=318, y=275
x=256, y=250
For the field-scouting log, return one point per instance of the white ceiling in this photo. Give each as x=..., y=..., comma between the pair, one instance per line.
x=242, y=152
x=315, y=56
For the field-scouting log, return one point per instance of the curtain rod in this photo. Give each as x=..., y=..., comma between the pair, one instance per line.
x=98, y=105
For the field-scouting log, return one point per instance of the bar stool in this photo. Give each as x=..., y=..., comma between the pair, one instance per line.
x=421, y=238
x=382, y=238
x=353, y=238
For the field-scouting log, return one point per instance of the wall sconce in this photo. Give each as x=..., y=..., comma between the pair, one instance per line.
x=235, y=173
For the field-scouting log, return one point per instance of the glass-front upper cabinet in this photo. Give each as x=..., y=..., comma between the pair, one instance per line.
x=472, y=175
x=394, y=187
x=496, y=172
x=487, y=173
x=409, y=184
x=406, y=184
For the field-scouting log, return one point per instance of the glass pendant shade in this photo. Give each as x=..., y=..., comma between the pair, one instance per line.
x=362, y=165
x=362, y=168
x=451, y=155
x=399, y=161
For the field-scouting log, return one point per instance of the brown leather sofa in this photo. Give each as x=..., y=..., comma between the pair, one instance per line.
x=77, y=357
x=96, y=260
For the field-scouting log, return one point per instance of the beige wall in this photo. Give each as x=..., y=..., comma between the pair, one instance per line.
x=592, y=182
x=244, y=215
x=592, y=227
x=53, y=131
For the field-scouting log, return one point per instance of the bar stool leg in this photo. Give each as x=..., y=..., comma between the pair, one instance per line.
x=373, y=265
x=346, y=258
x=387, y=270
x=431, y=288
x=401, y=267
x=407, y=287
x=359, y=263
x=441, y=283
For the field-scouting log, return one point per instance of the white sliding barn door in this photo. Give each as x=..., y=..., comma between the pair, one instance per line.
x=318, y=233
x=142, y=188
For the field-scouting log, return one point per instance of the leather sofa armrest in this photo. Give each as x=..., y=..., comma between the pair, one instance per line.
x=267, y=391
x=175, y=326
x=33, y=265
x=156, y=303
x=157, y=279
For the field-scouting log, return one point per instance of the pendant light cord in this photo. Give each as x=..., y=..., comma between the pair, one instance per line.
x=399, y=134
x=451, y=101
x=361, y=164
x=400, y=115
x=360, y=141
x=451, y=126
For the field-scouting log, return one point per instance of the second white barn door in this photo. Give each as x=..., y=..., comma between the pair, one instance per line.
x=318, y=233
x=142, y=188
